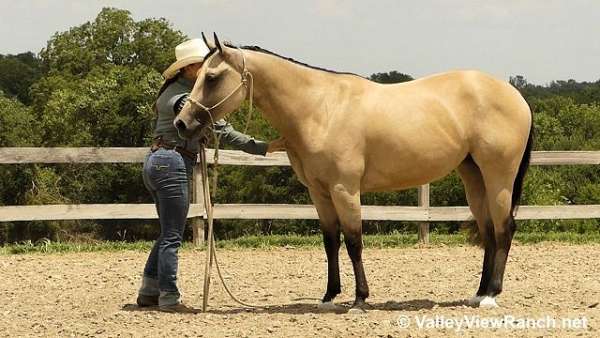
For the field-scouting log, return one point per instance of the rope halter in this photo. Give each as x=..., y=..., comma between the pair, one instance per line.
x=246, y=77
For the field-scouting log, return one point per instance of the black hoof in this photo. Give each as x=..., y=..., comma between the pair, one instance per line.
x=329, y=297
x=359, y=307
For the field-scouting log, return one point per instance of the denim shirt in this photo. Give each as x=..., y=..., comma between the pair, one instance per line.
x=165, y=106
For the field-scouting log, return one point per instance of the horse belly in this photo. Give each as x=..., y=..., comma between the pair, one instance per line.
x=401, y=169
x=417, y=144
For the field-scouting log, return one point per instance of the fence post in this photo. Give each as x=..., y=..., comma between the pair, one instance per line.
x=424, y=202
x=198, y=223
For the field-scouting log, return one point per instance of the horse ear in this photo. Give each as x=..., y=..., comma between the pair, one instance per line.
x=218, y=43
x=208, y=44
x=229, y=54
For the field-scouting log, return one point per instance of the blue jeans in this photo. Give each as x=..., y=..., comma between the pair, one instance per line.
x=166, y=175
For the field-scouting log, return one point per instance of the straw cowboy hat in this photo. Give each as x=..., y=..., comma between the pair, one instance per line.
x=186, y=53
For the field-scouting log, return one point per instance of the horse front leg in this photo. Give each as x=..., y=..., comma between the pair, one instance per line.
x=331, y=240
x=329, y=223
x=347, y=204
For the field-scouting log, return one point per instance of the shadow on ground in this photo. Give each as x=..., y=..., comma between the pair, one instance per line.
x=302, y=308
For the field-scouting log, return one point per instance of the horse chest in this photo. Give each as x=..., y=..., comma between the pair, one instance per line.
x=311, y=169
x=297, y=166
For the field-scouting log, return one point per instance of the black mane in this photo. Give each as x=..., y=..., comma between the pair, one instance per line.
x=262, y=50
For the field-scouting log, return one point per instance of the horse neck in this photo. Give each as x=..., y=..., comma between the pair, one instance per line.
x=284, y=92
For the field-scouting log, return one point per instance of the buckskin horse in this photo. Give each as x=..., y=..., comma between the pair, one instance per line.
x=346, y=135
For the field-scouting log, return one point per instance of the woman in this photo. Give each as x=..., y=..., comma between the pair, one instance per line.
x=167, y=171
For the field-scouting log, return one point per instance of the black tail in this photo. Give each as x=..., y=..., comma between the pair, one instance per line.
x=518, y=184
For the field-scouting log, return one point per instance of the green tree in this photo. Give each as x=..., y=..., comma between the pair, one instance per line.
x=18, y=128
x=18, y=73
x=100, y=81
x=580, y=92
x=18, y=125
x=518, y=81
x=112, y=38
x=109, y=106
x=390, y=77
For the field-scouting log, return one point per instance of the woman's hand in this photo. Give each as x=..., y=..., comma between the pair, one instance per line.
x=276, y=145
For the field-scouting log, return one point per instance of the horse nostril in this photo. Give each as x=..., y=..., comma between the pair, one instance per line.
x=180, y=125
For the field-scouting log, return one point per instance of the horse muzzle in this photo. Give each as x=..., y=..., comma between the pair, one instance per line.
x=187, y=129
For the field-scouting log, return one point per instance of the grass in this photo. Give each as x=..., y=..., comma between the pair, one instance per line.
x=395, y=240
x=564, y=237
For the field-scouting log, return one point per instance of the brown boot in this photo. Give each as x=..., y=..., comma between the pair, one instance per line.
x=179, y=308
x=149, y=287
x=145, y=301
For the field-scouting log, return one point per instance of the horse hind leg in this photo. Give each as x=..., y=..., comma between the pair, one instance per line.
x=475, y=192
x=499, y=189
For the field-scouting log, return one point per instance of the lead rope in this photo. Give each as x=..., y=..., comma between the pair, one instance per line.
x=250, y=103
x=209, y=214
x=211, y=252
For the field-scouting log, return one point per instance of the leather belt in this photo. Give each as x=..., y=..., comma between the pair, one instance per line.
x=159, y=143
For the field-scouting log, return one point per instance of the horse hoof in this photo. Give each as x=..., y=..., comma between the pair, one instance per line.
x=488, y=303
x=475, y=301
x=328, y=306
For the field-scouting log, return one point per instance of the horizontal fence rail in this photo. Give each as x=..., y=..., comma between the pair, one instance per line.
x=423, y=213
x=228, y=157
x=126, y=155
x=280, y=211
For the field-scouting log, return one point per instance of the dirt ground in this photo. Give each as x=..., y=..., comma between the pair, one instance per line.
x=90, y=294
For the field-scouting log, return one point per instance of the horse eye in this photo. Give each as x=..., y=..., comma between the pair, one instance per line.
x=211, y=77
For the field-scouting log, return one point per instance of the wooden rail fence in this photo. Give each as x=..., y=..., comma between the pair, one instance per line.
x=423, y=213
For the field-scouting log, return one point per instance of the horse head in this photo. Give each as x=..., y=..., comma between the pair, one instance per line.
x=222, y=85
